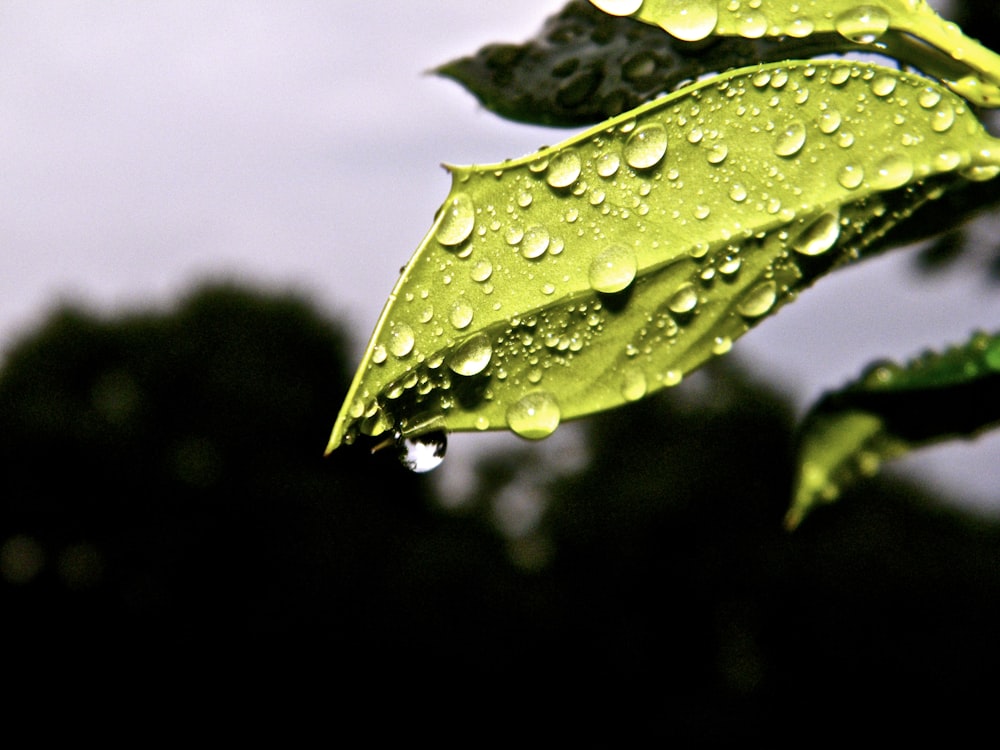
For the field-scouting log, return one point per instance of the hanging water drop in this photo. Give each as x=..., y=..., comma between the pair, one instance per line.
x=424, y=452
x=819, y=236
x=618, y=7
x=472, y=357
x=458, y=217
x=646, y=146
x=613, y=270
x=863, y=24
x=633, y=384
x=534, y=416
x=690, y=21
x=759, y=300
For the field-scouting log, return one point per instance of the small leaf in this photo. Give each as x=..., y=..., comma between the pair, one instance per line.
x=602, y=269
x=861, y=22
x=585, y=66
x=892, y=410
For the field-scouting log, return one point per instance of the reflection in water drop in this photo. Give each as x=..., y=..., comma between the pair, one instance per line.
x=472, y=357
x=646, y=146
x=423, y=452
x=535, y=416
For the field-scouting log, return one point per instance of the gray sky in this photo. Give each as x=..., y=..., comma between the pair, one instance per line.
x=145, y=145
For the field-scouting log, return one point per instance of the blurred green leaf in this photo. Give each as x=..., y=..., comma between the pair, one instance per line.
x=602, y=269
x=892, y=410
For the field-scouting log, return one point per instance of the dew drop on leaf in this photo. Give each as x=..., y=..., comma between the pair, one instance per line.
x=684, y=299
x=423, y=452
x=564, y=169
x=851, y=176
x=401, y=340
x=534, y=416
x=457, y=220
x=759, y=300
x=607, y=164
x=691, y=20
x=613, y=270
x=618, y=7
x=829, y=121
x=790, y=140
x=481, y=271
x=472, y=357
x=883, y=85
x=943, y=118
x=646, y=146
x=535, y=242
x=461, y=315
x=862, y=24
x=892, y=172
x=633, y=384
x=819, y=236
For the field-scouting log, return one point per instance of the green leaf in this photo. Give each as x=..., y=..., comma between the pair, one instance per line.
x=973, y=72
x=892, y=410
x=585, y=66
x=602, y=269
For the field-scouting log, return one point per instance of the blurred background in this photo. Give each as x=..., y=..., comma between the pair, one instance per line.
x=204, y=206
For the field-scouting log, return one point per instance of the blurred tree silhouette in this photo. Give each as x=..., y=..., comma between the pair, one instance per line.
x=164, y=495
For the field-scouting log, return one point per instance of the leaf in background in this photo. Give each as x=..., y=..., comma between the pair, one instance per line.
x=968, y=68
x=585, y=66
x=892, y=410
x=600, y=270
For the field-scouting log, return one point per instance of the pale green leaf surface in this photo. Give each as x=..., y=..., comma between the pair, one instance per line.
x=891, y=410
x=865, y=22
x=602, y=269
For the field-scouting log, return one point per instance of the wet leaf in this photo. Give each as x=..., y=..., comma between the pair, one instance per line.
x=892, y=410
x=585, y=66
x=966, y=66
x=597, y=271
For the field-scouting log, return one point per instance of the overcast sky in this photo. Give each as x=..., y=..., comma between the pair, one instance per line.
x=147, y=145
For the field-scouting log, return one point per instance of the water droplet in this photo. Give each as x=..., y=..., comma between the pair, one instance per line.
x=564, y=169
x=646, y=146
x=752, y=25
x=524, y=199
x=461, y=315
x=401, y=340
x=618, y=7
x=884, y=84
x=981, y=173
x=535, y=242
x=458, y=217
x=929, y=98
x=943, y=118
x=759, y=300
x=790, y=140
x=947, y=160
x=684, y=299
x=607, y=164
x=863, y=24
x=702, y=211
x=472, y=357
x=379, y=354
x=851, y=176
x=633, y=384
x=718, y=153
x=696, y=135
x=829, y=121
x=535, y=416
x=690, y=21
x=892, y=172
x=840, y=76
x=738, y=193
x=613, y=269
x=513, y=234
x=481, y=271
x=672, y=377
x=423, y=452
x=801, y=28
x=819, y=236
x=721, y=345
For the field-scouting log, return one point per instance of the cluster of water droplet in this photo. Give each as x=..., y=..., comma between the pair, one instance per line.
x=528, y=261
